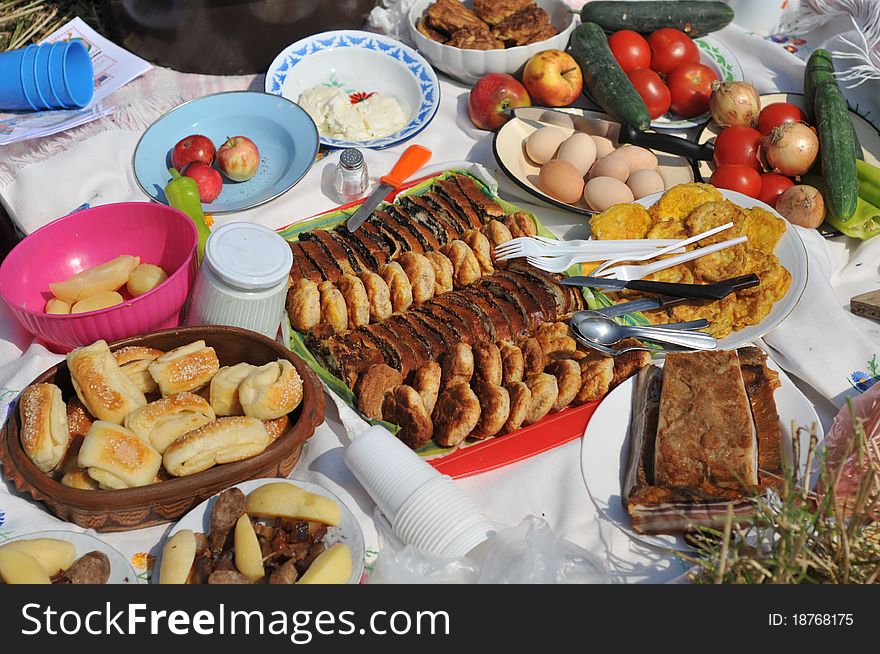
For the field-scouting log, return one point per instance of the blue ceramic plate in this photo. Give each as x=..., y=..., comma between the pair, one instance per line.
x=283, y=132
x=360, y=63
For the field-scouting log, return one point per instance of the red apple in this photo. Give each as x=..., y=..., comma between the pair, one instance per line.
x=491, y=95
x=553, y=78
x=238, y=158
x=209, y=180
x=193, y=148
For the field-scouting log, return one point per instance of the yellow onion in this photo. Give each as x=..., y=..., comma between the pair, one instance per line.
x=734, y=103
x=802, y=205
x=791, y=149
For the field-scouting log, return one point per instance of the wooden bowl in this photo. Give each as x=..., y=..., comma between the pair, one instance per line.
x=145, y=506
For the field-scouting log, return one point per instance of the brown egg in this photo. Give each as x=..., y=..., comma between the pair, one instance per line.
x=637, y=158
x=542, y=144
x=645, y=182
x=560, y=180
x=603, y=192
x=579, y=150
x=610, y=166
x=604, y=146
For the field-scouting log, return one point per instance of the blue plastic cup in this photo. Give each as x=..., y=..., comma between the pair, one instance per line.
x=43, y=99
x=12, y=93
x=71, y=74
x=29, y=78
x=44, y=81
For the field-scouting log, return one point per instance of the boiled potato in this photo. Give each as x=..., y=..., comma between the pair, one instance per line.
x=52, y=554
x=333, y=566
x=248, y=556
x=108, y=276
x=97, y=301
x=145, y=278
x=16, y=567
x=56, y=306
x=177, y=557
x=281, y=500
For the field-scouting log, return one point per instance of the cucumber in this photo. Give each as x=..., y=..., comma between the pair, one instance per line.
x=837, y=148
x=820, y=70
x=693, y=18
x=605, y=79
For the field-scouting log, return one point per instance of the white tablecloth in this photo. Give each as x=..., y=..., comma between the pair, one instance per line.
x=549, y=485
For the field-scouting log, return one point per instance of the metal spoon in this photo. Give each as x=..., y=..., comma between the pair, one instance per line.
x=605, y=331
x=612, y=352
x=690, y=325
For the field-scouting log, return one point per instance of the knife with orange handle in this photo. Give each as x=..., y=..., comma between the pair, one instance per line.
x=412, y=159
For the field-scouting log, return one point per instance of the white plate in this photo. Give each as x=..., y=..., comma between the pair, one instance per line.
x=605, y=449
x=121, y=571
x=348, y=531
x=791, y=254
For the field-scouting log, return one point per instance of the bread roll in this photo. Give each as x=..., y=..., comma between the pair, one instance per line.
x=304, y=305
x=78, y=419
x=162, y=422
x=52, y=554
x=105, y=391
x=44, y=435
x=17, y=567
x=77, y=477
x=271, y=391
x=275, y=428
x=134, y=361
x=108, y=276
x=283, y=500
x=333, y=566
x=222, y=441
x=117, y=458
x=186, y=368
x=224, y=389
x=178, y=556
x=248, y=557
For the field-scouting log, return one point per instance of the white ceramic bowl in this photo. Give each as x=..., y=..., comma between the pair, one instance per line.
x=470, y=65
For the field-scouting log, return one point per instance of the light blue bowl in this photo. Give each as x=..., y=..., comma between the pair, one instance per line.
x=283, y=132
x=359, y=62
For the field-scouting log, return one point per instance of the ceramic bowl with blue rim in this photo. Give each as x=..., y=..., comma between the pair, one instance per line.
x=359, y=63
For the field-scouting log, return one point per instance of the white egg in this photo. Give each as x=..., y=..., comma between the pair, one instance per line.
x=560, y=180
x=644, y=182
x=557, y=118
x=579, y=150
x=603, y=192
x=542, y=144
x=604, y=146
x=637, y=158
x=610, y=166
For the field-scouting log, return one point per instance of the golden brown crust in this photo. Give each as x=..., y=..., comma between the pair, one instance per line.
x=357, y=302
x=520, y=399
x=430, y=32
x=568, y=381
x=426, y=380
x=420, y=273
x=512, y=363
x=494, y=409
x=275, y=428
x=528, y=25
x=534, y=360
x=271, y=391
x=497, y=233
x=450, y=15
x=371, y=386
x=443, y=271
x=466, y=268
x=132, y=353
x=456, y=414
x=403, y=406
x=487, y=364
x=102, y=387
x=334, y=311
x=399, y=287
x=184, y=369
x=520, y=224
x=304, y=305
x=495, y=11
x=629, y=363
x=544, y=393
x=457, y=364
x=474, y=38
x=160, y=423
x=555, y=341
x=44, y=435
x=597, y=373
x=378, y=296
x=117, y=458
x=482, y=250
x=223, y=441
x=78, y=419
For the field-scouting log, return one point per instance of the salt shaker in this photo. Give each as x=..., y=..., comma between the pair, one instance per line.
x=351, y=178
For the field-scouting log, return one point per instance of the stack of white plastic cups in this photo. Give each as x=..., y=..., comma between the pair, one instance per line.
x=425, y=509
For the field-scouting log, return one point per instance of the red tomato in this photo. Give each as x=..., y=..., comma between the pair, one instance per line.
x=691, y=88
x=738, y=145
x=630, y=49
x=671, y=47
x=772, y=186
x=743, y=179
x=773, y=115
x=652, y=89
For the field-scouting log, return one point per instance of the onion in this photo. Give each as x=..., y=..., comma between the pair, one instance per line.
x=802, y=205
x=734, y=103
x=791, y=149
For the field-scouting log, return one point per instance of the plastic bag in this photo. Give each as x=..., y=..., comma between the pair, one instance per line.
x=529, y=553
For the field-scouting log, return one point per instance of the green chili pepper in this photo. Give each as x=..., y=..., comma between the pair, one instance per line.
x=183, y=194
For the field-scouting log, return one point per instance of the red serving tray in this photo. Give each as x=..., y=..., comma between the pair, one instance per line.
x=550, y=432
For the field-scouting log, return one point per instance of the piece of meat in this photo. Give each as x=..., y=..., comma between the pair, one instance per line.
x=314, y=552
x=91, y=568
x=225, y=561
x=227, y=577
x=202, y=568
x=286, y=573
x=228, y=508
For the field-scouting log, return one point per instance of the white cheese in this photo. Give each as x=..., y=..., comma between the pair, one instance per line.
x=336, y=117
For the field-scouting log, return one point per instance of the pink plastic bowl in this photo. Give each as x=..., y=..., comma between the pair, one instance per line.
x=156, y=233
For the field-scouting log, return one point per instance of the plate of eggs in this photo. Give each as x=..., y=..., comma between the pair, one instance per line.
x=566, y=158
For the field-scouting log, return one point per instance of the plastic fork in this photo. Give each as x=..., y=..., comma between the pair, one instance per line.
x=668, y=250
x=599, y=250
x=629, y=273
